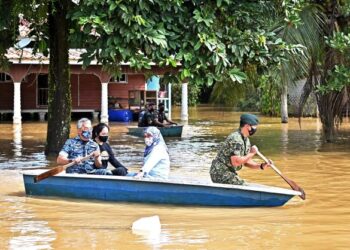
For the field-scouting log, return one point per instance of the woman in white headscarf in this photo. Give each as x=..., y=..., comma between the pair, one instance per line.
x=156, y=157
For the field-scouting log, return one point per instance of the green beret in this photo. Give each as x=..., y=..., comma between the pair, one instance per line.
x=249, y=119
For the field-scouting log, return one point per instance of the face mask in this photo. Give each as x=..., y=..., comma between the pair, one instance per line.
x=148, y=141
x=103, y=138
x=252, y=131
x=86, y=134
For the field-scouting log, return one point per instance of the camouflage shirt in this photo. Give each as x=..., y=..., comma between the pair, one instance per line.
x=74, y=148
x=221, y=170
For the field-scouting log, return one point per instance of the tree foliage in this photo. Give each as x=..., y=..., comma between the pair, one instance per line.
x=328, y=64
x=212, y=40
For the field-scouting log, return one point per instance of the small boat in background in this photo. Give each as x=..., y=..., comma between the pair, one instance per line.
x=178, y=192
x=172, y=131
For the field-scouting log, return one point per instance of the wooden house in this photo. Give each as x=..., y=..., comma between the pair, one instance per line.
x=24, y=86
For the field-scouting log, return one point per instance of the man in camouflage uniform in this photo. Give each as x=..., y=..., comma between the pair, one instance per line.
x=80, y=146
x=235, y=152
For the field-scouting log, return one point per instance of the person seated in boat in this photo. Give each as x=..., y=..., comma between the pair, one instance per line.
x=162, y=118
x=80, y=146
x=141, y=116
x=156, y=157
x=150, y=117
x=235, y=152
x=100, y=135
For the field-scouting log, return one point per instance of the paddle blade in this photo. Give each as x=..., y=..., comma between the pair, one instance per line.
x=303, y=195
x=47, y=174
x=295, y=187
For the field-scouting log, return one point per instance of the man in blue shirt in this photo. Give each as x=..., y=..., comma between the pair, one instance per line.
x=80, y=146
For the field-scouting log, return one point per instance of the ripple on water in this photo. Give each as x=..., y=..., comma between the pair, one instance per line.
x=27, y=232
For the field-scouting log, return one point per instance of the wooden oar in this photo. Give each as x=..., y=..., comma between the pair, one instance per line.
x=291, y=183
x=57, y=170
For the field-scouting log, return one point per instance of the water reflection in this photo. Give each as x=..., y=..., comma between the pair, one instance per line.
x=26, y=231
x=151, y=238
x=22, y=146
x=17, y=140
x=150, y=224
x=284, y=138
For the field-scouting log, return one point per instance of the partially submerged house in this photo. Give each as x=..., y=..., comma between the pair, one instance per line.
x=24, y=86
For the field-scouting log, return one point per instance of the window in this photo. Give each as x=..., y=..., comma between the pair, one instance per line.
x=5, y=78
x=43, y=90
x=123, y=78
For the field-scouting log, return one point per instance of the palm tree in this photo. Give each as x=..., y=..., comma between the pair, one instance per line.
x=320, y=21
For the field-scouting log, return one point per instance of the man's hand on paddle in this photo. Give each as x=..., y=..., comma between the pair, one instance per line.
x=95, y=155
x=254, y=150
x=77, y=160
x=266, y=165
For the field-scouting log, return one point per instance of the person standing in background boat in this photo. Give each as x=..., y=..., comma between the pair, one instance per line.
x=156, y=157
x=100, y=135
x=162, y=116
x=80, y=146
x=235, y=152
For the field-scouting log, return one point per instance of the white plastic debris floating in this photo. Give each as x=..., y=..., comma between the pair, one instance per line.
x=147, y=224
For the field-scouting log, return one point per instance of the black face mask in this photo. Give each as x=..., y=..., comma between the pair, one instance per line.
x=103, y=138
x=252, y=130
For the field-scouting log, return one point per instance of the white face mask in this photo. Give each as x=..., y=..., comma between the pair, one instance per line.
x=148, y=141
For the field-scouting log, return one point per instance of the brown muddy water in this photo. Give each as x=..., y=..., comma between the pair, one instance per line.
x=322, y=221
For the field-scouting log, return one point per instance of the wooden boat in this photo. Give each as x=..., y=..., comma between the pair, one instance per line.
x=172, y=131
x=129, y=189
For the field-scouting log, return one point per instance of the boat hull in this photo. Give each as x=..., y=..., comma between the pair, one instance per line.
x=173, y=131
x=128, y=189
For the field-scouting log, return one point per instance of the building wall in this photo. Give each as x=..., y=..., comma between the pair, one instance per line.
x=120, y=91
x=28, y=92
x=6, y=95
x=86, y=91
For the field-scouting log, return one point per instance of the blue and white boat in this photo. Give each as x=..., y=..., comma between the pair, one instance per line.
x=129, y=189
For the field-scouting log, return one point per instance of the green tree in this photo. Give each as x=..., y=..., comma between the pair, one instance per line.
x=323, y=29
x=212, y=41
x=268, y=17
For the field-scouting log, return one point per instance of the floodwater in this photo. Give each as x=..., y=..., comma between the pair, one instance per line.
x=322, y=221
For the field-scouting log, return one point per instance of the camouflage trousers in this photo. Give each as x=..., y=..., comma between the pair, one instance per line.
x=220, y=173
